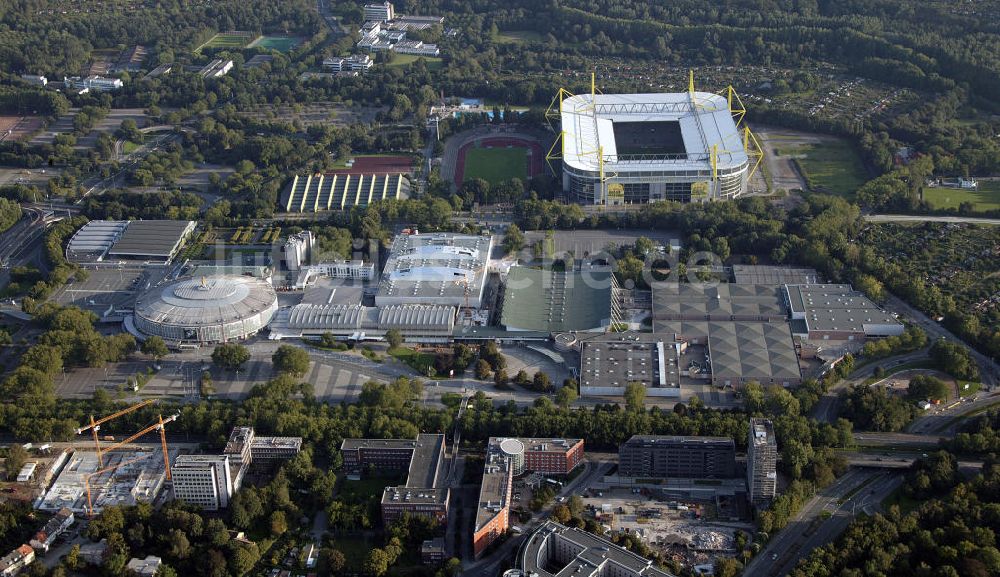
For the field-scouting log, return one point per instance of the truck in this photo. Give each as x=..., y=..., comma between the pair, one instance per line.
x=108, y=438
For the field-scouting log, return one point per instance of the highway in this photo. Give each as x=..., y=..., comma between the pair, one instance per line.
x=859, y=490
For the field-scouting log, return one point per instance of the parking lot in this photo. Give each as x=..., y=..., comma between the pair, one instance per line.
x=103, y=288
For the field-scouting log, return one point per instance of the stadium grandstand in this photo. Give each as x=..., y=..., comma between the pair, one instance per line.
x=322, y=192
x=640, y=148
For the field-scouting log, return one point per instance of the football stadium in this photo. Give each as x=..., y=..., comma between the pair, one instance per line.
x=640, y=148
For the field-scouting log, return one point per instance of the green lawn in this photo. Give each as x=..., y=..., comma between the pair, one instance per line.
x=223, y=40
x=128, y=147
x=402, y=60
x=496, y=164
x=279, y=43
x=986, y=197
x=518, y=37
x=831, y=166
x=905, y=503
x=417, y=361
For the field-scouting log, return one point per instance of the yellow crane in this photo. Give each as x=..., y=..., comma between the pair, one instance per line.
x=95, y=426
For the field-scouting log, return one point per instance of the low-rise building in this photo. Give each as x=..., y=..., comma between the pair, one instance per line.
x=12, y=563
x=27, y=472
x=657, y=456
x=433, y=551
x=93, y=83
x=837, y=312
x=94, y=553
x=55, y=526
x=354, y=63
x=270, y=449
x=35, y=79
x=216, y=68
x=147, y=567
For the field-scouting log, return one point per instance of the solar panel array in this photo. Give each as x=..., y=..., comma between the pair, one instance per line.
x=320, y=192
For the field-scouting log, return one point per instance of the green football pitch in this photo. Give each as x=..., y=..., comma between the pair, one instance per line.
x=496, y=164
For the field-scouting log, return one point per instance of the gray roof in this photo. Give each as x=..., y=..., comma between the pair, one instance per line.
x=342, y=317
x=96, y=237
x=746, y=350
x=614, y=360
x=774, y=275
x=648, y=440
x=552, y=301
x=724, y=301
x=426, y=461
x=835, y=307
x=593, y=555
x=152, y=238
x=192, y=302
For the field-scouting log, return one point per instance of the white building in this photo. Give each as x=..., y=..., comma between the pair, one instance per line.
x=436, y=269
x=380, y=12
x=27, y=472
x=969, y=183
x=147, y=567
x=97, y=83
x=416, y=47
x=216, y=68
x=355, y=63
x=267, y=449
x=358, y=270
x=298, y=250
x=203, y=480
x=35, y=79
x=12, y=563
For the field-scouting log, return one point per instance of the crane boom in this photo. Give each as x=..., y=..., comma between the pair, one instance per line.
x=95, y=426
x=155, y=426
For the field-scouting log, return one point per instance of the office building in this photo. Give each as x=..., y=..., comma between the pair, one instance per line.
x=93, y=83
x=266, y=450
x=354, y=63
x=510, y=457
x=379, y=12
x=203, y=480
x=433, y=551
x=423, y=461
x=762, y=458
x=659, y=457
x=555, y=549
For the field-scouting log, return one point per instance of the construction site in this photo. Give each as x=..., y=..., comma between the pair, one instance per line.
x=117, y=473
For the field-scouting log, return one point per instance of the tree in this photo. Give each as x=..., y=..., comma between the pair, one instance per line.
x=500, y=378
x=230, y=356
x=334, y=560
x=17, y=456
x=541, y=382
x=155, y=347
x=565, y=396
x=290, y=359
x=483, y=370
x=394, y=338
x=180, y=547
x=575, y=505
x=243, y=558
x=377, y=563
x=279, y=524
x=927, y=387
x=635, y=396
x=45, y=358
x=513, y=240
x=561, y=514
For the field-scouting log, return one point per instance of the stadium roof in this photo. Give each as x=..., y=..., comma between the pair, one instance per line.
x=704, y=118
x=553, y=301
x=320, y=192
x=159, y=239
x=192, y=302
x=94, y=239
x=438, y=268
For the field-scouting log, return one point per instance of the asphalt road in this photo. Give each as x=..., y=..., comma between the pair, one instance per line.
x=929, y=218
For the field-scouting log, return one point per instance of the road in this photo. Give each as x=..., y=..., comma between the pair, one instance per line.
x=859, y=490
x=929, y=218
x=826, y=408
x=945, y=420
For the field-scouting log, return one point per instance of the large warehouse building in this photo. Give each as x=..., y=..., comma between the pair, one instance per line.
x=435, y=269
x=207, y=309
x=116, y=240
x=641, y=148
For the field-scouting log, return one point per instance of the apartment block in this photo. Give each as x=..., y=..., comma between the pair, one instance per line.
x=677, y=457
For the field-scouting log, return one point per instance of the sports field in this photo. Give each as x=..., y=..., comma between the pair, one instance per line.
x=279, y=43
x=496, y=164
x=830, y=165
x=237, y=39
x=518, y=37
x=986, y=197
x=402, y=60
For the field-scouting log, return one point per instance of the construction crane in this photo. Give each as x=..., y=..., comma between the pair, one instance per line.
x=159, y=425
x=95, y=426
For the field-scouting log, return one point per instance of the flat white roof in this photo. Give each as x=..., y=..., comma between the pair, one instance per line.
x=704, y=118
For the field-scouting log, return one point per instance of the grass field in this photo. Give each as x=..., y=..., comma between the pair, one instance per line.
x=986, y=197
x=228, y=40
x=419, y=362
x=518, y=37
x=402, y=60
x=496, y=164
x=279, y=43
x=128, y=147
x=831, y=166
